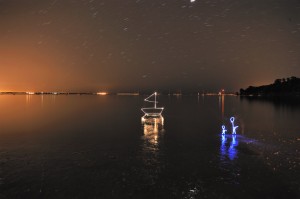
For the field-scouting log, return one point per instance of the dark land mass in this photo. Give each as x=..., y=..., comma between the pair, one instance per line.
x=281, y=87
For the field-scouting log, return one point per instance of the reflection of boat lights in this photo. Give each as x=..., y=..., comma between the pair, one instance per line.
x=155, y=138
x=152, y=127
x=152, y=142
x=152, y=120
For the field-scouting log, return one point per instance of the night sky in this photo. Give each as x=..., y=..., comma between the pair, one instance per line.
x=132, y=45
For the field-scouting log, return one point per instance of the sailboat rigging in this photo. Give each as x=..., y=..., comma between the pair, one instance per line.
x=152, y=111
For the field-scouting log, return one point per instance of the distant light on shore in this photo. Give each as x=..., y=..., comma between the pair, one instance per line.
x=102, y=93
x=30, y=93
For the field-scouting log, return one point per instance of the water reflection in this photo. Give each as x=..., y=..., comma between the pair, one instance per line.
x=152, y=144
x=232, y=152
x=155, y=122
x=223, y=147
x=28, y=99
x=153, y=130
x=222, y=105
x=292, y=102
x=42, y=101
x=228, y=153
x=228, y=147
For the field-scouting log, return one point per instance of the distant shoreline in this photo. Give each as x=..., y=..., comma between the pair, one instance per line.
x=281, y=87
x=115, y=93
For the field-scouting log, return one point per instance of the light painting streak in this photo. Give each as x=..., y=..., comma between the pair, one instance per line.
x=233, y=127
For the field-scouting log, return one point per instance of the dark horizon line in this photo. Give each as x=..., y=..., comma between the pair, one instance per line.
x=113, y=93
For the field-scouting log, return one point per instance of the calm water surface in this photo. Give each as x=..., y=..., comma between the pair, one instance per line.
x=99, y=147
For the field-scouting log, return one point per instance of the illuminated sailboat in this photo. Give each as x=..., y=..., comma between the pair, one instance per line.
x=152, y=111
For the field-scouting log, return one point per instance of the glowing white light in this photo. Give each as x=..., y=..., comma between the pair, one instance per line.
x=30, y=93
x=192, y=1
x=233, y=127
x=223, y=130
x=147, y=99
x=102, y=93
x=152, y=111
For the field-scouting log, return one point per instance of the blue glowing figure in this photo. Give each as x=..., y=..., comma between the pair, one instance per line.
x=223, y=130
x=233, y=127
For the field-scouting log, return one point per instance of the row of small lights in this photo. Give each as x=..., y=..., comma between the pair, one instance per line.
x=33, y=93
x=55, y=93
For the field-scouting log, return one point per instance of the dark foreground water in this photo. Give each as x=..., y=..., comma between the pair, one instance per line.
x=99, y=147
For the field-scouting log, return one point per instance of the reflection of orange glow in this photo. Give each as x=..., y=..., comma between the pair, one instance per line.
x=102, y=93
x=28, y=99
x=223, y=99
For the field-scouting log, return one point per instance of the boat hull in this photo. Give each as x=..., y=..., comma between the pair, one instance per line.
x=154, y=112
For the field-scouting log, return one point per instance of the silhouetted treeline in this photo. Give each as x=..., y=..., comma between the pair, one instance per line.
x=285, y=86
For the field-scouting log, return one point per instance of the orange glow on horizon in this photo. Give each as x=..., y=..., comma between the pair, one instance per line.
x=102, y=93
